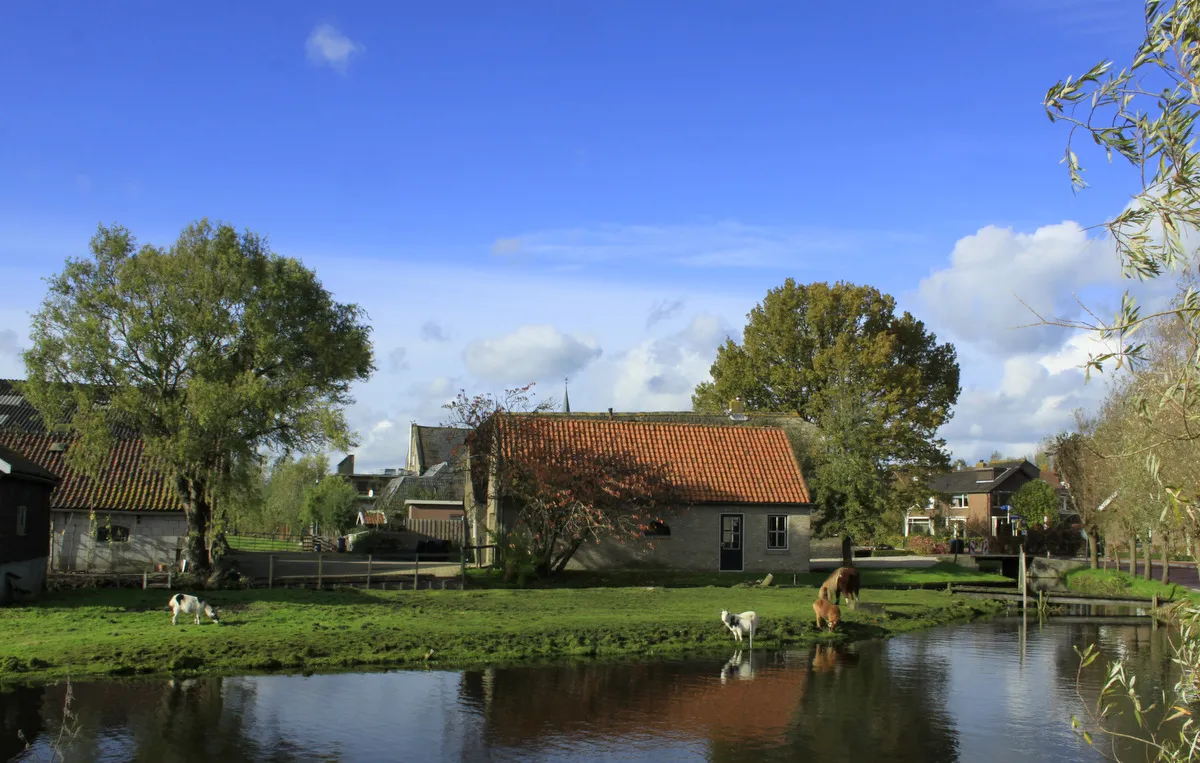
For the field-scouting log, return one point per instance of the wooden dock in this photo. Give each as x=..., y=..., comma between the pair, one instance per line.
x=1054, y=599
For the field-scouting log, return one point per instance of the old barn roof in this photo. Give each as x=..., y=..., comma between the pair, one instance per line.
x=127, y=482
x=708, y=464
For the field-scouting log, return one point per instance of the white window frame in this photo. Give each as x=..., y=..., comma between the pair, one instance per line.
x=963, y=497
x=783, y=530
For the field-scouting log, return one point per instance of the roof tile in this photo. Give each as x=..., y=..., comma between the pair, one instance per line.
x=708, y=464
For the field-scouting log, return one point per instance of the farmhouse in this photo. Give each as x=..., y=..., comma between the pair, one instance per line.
x=126, y=519
x=748, y=503
x=24, y=526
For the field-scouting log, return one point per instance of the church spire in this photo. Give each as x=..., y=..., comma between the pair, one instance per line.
x=566, y=396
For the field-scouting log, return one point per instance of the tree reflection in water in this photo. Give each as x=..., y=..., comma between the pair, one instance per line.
x=167, y=720
x=20, y=713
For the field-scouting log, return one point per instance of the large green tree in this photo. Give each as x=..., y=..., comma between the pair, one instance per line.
x=213, y=349
x=1036, y=502
x=878, y=386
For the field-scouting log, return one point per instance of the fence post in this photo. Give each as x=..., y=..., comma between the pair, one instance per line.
x=416, y=571
x=145, y=581
x=320, y=567
x=369, y=572
x=462, y=554
x=271, y=571
x=169, y=573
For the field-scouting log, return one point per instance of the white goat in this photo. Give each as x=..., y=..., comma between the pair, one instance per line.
x=741, y=625
x=190, y=605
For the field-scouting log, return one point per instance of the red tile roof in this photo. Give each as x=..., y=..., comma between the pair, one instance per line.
x=708, y=464
x=127, y=482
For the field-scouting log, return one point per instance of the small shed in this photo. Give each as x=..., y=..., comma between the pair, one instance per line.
x=25, y=491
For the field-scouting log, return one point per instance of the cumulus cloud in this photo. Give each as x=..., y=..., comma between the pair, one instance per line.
x=327, y=45
x=979, y=297
x=660, y=374
x=532, y=352
x=663, y=310
x=431, y=331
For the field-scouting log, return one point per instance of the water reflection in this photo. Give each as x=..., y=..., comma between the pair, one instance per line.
x=947, y=695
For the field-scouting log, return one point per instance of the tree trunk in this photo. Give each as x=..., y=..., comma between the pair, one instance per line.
x=1132, y=556
x=1147, y=572
x=847, y=552
x=1166, y=561
x=1093, y=547
x=561, y=563
x=199, y=516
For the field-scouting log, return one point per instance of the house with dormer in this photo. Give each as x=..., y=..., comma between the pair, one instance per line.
x=976, y=498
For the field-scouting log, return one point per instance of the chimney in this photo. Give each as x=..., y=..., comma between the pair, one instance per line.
x=981, y=464
x=346, y=465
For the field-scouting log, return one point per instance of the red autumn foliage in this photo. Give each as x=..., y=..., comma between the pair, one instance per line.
x=567, y=493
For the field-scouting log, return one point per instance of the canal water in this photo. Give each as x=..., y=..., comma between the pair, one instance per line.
x=977, y=693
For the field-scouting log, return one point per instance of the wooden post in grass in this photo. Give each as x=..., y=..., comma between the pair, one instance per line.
x=169, y=579
x=416, y=571
x=271, y=571
x=145, y=581
x=368, y=572
x=320, y=569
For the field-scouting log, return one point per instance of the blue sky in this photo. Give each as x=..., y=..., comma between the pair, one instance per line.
x=531, y=190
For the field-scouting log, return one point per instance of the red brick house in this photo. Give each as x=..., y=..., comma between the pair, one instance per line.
x=749, y=511
x=25, y=491
x=971, y=497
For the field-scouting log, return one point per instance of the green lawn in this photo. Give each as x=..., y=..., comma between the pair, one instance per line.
x=1116, y=583
x=97, y=632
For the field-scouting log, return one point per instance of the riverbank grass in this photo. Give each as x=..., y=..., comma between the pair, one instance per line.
x=113, y=632
x=1118, y=584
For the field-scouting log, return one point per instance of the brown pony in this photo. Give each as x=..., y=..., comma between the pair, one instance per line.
x=827, y=612
x=843, y=581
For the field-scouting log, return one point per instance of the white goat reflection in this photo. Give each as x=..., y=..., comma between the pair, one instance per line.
x=742, y=670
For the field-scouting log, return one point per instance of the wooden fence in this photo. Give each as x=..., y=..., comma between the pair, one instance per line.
x=453, y=530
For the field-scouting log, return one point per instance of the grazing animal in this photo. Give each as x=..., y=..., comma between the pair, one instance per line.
x=741, y=625
x=190, y=605
x=827, y=611
x=844, y=581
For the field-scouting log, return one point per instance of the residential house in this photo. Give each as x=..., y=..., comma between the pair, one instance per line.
x=369, y=486
x=127, y=518
x=422, y=508
x=749, y=506
x=431, y=485
x=25, y=491
x=975, y=497
x=429, y=447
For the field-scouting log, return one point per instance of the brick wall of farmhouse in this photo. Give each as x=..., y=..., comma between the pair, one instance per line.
x=694, y=543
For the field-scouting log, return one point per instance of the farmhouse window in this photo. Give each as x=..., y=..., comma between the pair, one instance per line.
x=658, y=529
x=958, y=501
x=112, y=534
x=777, y=537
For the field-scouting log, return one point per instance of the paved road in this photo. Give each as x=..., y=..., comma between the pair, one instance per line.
x=257, y=565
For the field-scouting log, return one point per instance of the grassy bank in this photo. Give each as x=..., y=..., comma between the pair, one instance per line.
x=125, y=632
x=938, y=574
x=1117, y=583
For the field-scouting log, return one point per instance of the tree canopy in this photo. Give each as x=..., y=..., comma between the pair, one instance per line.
x=1035, y=502
x=212, y=349
x=876, y=384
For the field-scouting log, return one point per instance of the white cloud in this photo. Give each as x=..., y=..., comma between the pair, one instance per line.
x=327, y=45
x=660, y=374
x=711, y=245
x=979, y=297
x=530, y=352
